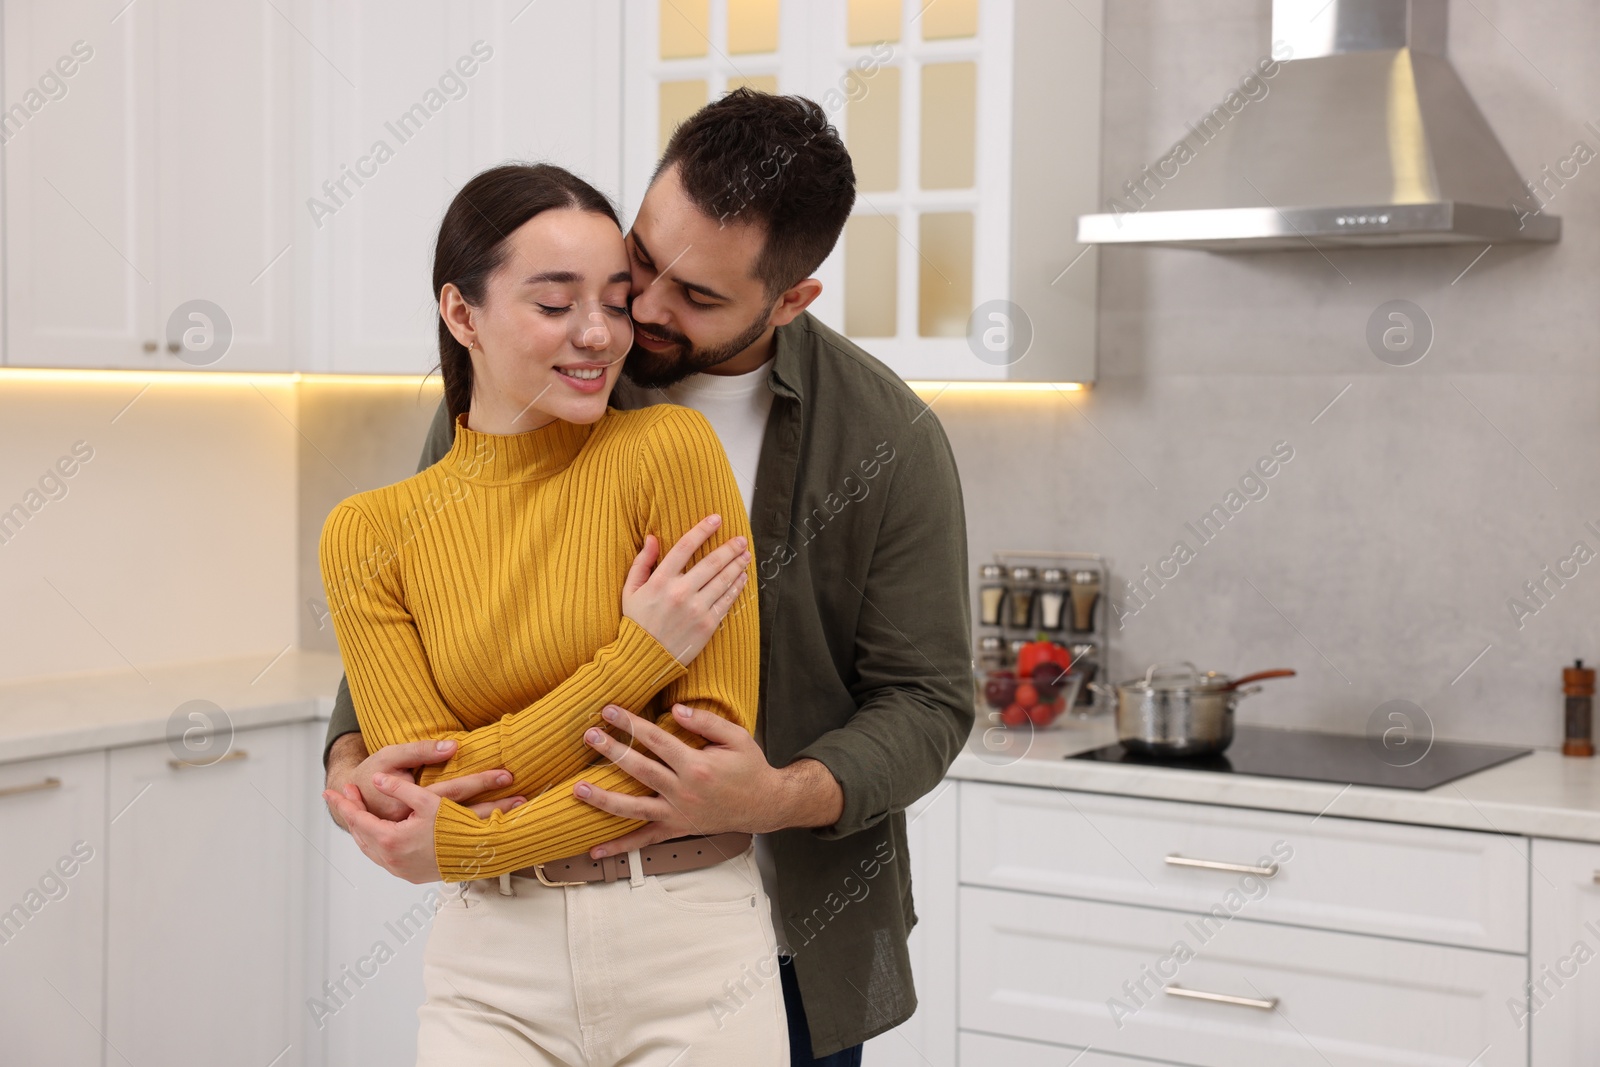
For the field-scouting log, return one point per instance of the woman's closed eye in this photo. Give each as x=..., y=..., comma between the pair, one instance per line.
x=548, y=310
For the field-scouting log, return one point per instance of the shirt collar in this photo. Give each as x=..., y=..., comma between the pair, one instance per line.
x=789, y=364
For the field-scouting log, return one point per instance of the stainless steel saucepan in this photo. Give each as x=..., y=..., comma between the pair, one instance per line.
x=1178, y=712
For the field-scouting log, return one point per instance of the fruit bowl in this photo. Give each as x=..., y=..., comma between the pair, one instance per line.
x=1039, y=702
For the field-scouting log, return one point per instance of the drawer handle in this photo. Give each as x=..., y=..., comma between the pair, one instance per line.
x=31, y=787
x=1217, y=865
x=236, y=754
x=1221, y=998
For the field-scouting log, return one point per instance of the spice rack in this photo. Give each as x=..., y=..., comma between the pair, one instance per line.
x=1063, y=595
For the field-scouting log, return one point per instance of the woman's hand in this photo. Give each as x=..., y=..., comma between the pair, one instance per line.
x=682, y=610
x=404, y=848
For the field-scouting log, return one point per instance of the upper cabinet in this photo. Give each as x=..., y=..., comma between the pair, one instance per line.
x=959, y=261
x=258, y=187
x=413, y=99
x=149, y=185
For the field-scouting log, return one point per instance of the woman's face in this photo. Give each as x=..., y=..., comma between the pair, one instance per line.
x=553, y=328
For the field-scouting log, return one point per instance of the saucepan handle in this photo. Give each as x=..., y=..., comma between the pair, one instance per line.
x=1164, y=668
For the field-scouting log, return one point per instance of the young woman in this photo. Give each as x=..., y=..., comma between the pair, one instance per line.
x=504, y=597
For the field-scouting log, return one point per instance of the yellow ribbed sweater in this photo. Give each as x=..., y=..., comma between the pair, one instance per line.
x=481, y=600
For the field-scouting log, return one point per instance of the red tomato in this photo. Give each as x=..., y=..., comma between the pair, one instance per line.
x=1041, y=714
x=1027, y=694
x=1014, y=715
x=1037, y=652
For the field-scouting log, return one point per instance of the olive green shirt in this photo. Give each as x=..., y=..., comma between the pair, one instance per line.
x=866, y=662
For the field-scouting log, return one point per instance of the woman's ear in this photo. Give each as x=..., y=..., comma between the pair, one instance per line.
x=457, y=315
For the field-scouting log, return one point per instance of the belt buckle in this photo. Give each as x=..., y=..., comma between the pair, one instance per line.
x=538, y=871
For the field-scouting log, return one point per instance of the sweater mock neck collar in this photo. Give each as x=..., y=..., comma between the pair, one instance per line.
x=516, y=457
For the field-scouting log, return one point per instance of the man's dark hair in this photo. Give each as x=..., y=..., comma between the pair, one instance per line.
x=771, y=161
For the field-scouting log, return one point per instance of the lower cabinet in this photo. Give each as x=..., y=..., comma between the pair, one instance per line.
x=928, y=1038
x=52, y=910
x=366, y=983
x=1561, y=1005
x=207, y=905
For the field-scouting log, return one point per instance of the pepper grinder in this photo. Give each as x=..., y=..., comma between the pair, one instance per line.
x=1578, y=683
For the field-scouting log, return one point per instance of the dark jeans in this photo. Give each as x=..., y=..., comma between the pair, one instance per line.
x=799, y=1036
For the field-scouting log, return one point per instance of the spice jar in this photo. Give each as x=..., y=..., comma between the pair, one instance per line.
x=1085, y=592
x=991, y=594
x=1020, y=597
x=991, y=654
x=1052, y=598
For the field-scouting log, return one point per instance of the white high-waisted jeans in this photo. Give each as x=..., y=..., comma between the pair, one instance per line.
x=673, y=970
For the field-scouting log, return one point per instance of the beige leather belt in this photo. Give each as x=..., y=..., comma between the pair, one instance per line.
x=669, y=857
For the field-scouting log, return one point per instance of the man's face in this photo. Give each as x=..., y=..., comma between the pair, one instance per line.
x=696, y=300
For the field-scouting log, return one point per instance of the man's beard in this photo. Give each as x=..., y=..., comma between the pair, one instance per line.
x=657, y=370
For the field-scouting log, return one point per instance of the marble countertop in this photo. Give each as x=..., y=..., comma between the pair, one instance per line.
x=107, y=709
x=1544, y=794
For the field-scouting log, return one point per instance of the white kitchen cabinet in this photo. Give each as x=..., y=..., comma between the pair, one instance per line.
x=367, y=986
x=207, y=914
x=928, y=1038
x=970, y=170
x=1424, y=883
x=416, y=98
x=52, y=909
x=1562, y=1004
x=1084, y=973
x=159, y=171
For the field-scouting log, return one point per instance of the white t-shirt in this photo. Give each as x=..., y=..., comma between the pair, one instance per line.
x=737, y=406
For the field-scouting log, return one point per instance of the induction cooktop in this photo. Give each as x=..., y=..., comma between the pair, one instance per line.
x=1341, y=758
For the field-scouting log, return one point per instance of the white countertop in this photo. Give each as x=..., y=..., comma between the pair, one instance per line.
x=81, y=712
x=1543, y=794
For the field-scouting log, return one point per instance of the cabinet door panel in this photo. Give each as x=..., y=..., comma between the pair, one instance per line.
x=1563, y=1005
x=52, y=909
x=81, y=262
x=395, y=144
x=927, y=1039
x=224, y=101
x=206, y=914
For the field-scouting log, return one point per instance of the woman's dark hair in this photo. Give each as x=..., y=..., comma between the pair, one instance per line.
x=472, y=245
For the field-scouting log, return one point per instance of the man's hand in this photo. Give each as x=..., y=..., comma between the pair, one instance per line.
x=349, y=765
x=404, y=848
x=726, y=786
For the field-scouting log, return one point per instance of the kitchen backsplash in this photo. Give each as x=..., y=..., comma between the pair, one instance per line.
x=141, y=526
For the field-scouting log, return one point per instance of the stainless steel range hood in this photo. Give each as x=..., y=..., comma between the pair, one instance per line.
x=1364, y=136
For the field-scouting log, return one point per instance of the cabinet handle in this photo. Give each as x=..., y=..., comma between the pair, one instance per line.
x=1217, y=865
x=1597, y=877
x=1221, y=998
x=31, y=787
x=236, y=754
x=150, y=346
x=173, y=346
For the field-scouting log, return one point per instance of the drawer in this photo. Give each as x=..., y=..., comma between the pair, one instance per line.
x=986, y=1050
x=1453, y=887
x=1088, y=974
